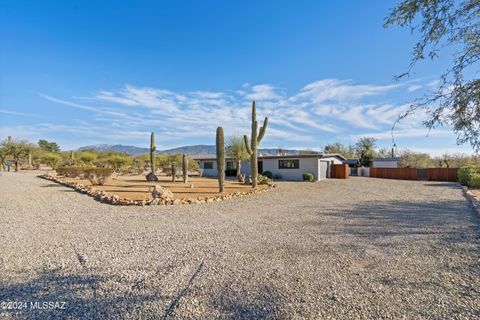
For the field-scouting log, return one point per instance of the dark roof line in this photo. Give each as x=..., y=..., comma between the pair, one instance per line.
x=386, y=159
x=319, y=156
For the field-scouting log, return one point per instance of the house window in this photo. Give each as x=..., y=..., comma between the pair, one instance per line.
x=208, y=165
x=289, y=164
x=231, y=165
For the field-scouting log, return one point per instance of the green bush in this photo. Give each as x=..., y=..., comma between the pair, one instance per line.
x=308, y=177
x=475, y=180
x=466, y=173
x=267, y=174
x=263, y=180
x=70, y=171
x=97, y=176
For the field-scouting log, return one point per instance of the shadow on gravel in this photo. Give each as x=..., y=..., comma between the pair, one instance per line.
x=452, y=185
x=256, y=302
x=407, y=218
x=76, y=293
x=52, y=185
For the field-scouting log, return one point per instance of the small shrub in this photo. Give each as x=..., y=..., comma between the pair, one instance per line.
x=261, y=179
x=167, y=169
x=70, y=171
x=267, y=174
x=466, y=173
x=277, y=176
x=308, y=177
x=475, y=181
x=97, y=176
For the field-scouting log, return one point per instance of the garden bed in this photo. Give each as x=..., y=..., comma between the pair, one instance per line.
x=135, y=190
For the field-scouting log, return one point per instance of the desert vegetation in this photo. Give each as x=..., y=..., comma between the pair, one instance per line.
x=252, y=145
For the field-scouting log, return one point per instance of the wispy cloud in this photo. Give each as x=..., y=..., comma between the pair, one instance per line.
x=322, y=111
x=20, y=114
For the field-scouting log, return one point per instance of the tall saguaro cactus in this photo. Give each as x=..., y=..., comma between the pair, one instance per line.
x=151, y=176
x=185, y=168
x=174, y=171
x=254, y=142
x=220, y=144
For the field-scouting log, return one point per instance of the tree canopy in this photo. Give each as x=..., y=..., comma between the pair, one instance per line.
x=48, y=146
x=444, y=26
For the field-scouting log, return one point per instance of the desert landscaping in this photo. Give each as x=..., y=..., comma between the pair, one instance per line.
x=290, y=160
x=357, y=248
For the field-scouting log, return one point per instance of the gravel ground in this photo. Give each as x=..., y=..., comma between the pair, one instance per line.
x=358, y=248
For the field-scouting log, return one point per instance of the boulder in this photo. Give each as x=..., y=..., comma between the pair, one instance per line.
x=161, y=193
x=151, y=177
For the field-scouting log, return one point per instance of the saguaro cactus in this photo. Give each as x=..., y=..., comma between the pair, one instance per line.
x=185, y=168
x=220, y=144
x=174, y=171
x=252, y=146
x=151, y=176
x=72, y=155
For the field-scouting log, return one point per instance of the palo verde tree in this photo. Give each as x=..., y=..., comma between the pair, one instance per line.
x=446, y=26
x=236, y=149
x=17, y=149
x=365, y=149
x=255, y=140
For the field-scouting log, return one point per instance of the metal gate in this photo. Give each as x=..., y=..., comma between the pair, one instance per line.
x=422, y=174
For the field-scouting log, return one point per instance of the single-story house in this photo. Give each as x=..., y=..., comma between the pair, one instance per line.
x=291, y=167
x=385, y=162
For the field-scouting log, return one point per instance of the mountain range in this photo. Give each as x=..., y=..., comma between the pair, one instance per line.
x=200, y=150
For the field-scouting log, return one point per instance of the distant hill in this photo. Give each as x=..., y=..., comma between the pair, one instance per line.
x=200, y=150
x=134, y=151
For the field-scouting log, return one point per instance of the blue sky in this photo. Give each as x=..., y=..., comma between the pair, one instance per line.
x=92, y=72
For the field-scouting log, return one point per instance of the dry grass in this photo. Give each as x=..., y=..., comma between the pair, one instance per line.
x=137, y=188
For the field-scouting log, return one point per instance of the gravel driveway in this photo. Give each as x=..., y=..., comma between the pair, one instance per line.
x=358, y=248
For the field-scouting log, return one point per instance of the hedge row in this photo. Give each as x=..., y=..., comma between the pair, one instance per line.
x=96, y=176
x=469, y=176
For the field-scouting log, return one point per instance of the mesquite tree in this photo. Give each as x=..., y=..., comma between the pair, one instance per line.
x=452, y=29
x=255, y=140
x=220, y=146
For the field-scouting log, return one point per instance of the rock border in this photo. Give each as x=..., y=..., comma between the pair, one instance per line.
x=104, y=197
x=475, y=203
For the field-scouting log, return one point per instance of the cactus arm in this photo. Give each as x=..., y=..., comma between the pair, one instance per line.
x=263, y=129
x=247, y=145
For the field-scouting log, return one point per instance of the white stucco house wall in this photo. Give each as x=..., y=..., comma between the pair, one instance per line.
x=287, y=167
x=385, y=162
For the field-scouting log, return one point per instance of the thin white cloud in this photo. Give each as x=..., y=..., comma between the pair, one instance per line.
x=330, y=108
x=263, y=92
x=20, y=114
x=414, y=87
x=83, y=107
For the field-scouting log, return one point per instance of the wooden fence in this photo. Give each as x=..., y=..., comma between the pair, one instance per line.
x=394, y=173
x=443, y=174
x=340, y=171
x=433, y=174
